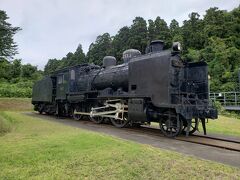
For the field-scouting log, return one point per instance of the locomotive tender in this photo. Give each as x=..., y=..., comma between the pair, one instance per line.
x=156, y=87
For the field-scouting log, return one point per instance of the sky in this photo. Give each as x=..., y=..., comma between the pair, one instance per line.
x=52, y=28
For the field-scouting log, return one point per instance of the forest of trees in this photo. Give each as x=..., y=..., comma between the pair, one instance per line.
x=16, y=79
x=215, y=38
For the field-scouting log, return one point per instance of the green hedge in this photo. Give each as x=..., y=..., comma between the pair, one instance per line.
x=20, y=89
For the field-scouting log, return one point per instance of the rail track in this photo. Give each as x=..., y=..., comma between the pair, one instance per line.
x=213, y=141
x=218, y=142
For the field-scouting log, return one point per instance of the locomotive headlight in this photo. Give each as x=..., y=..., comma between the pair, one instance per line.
x=176, y=46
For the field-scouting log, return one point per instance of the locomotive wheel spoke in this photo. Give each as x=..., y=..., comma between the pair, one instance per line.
x=120, y=123
x=171, y=126
x=76, y=116
x=193, y=128
x=97, y=119
x=40, y=109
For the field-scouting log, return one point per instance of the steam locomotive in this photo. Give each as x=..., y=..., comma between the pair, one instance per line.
x=155, y=87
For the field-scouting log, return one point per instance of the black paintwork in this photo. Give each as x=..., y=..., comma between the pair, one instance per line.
x=152, y=84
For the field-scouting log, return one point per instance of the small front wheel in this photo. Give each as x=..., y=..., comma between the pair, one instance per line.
x=97, y=119
x=193, y=128
x=171, y=125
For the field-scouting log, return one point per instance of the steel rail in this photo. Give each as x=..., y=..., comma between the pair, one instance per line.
x=217, y=142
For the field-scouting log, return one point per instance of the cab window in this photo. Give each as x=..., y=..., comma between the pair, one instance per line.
x=72, y=74
x=60, y=79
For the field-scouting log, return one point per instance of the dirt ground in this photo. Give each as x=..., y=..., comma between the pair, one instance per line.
x=200, y=151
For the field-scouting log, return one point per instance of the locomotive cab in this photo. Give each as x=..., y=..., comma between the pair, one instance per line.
x=176, y=92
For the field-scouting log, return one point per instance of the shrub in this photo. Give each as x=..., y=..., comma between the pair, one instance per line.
x=21, y=89
x=219, y=107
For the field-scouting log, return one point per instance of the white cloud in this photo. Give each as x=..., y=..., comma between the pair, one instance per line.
x=51, y=29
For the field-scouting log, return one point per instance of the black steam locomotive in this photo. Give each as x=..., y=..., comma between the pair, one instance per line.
x=156, y=87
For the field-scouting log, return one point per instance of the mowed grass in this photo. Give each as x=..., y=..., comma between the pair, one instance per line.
x=12, y=104
x=224, y=125
x=15, y=104
x=5, y=126
x=39, y=149
x=228, y=126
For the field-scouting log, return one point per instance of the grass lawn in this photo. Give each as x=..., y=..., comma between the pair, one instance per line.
x=38, y=149
x=228, y=126
x=15, y=104
x=224, y=125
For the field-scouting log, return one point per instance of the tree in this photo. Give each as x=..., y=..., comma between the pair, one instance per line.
x=16, y=68
x=214, y=23
x=175, y=31
x=223, y=63
x=138, y=34
x=162, y=31
x=99, y=49
x=8, y=47
x=120, y=42
x=151, y=30
x=215, y=39
x=174, y=27
x=79, y=56
x=67, y=61
x=4, y=69
x=51, y=66
x=71, y=59
x=28, y=70
x=193, y=36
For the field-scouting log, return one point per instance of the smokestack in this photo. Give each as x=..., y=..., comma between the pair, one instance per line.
x=155, y=46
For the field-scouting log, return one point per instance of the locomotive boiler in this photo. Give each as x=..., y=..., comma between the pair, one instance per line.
x=155, y=87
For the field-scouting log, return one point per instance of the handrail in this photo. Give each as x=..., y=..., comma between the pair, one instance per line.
x=226, y=98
